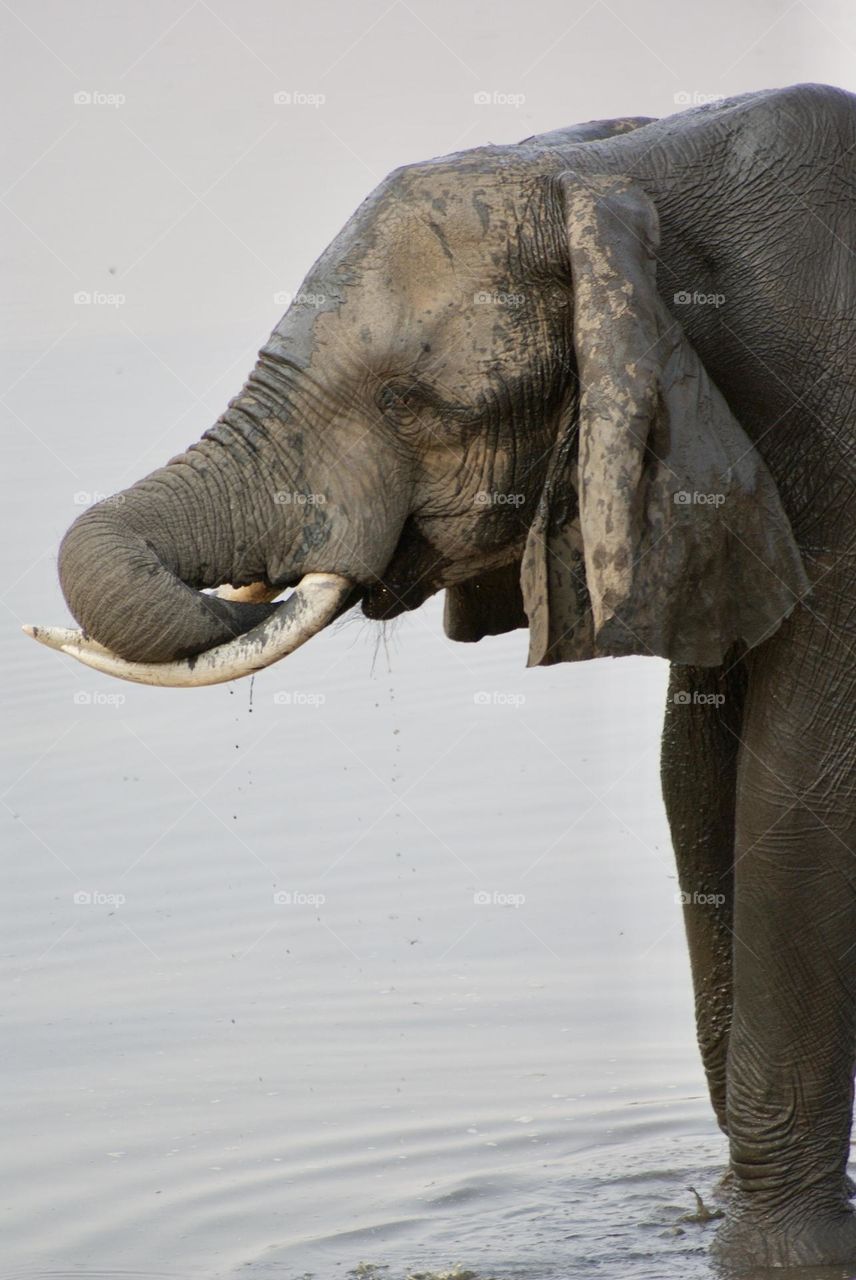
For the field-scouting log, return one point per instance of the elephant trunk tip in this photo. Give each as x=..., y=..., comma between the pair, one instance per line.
x=126, y=598
x=88, y=573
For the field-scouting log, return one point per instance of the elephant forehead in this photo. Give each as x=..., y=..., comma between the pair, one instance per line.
x=428, y=262
x=425, y=220
x=476, y=203
x=416, y=302
x=425, y=269
x=444, y=323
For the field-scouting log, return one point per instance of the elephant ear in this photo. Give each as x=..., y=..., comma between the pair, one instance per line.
x=665, y=535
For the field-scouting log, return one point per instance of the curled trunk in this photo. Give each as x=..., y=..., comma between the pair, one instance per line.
x=264, y=500
x=131, y=568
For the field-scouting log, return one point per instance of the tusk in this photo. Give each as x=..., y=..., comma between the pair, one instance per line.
x=255, y=593
x=315, y=601
x=62, y=637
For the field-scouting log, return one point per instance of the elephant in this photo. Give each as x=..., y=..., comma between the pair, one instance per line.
x=600, y=383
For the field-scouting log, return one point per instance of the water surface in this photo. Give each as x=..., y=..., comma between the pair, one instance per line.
x=374, y=963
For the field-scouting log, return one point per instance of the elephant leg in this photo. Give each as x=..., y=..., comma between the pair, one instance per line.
x=701, y=733
x=793, y=1034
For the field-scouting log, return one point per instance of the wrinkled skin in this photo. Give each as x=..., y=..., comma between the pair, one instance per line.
x=396, y=402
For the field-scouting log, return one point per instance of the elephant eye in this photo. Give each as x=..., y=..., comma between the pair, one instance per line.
x=398, y=406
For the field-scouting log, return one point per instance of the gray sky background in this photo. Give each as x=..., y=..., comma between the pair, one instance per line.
x=184, y=200
x=206, y=198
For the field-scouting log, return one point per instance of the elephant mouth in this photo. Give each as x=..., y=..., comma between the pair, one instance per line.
x=384, y=600
x=415, y=572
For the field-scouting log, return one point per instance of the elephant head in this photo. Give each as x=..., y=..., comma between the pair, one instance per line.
x=478, y=388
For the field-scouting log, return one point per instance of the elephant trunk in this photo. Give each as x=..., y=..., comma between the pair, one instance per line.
x=131, y=568
x=128, y=599
x=262, y=501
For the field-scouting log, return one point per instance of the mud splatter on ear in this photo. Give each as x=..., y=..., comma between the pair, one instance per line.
x=552, y=574
x=678, y=545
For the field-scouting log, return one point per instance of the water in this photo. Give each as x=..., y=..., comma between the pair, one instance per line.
x=372, y=968
x=376, y=961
